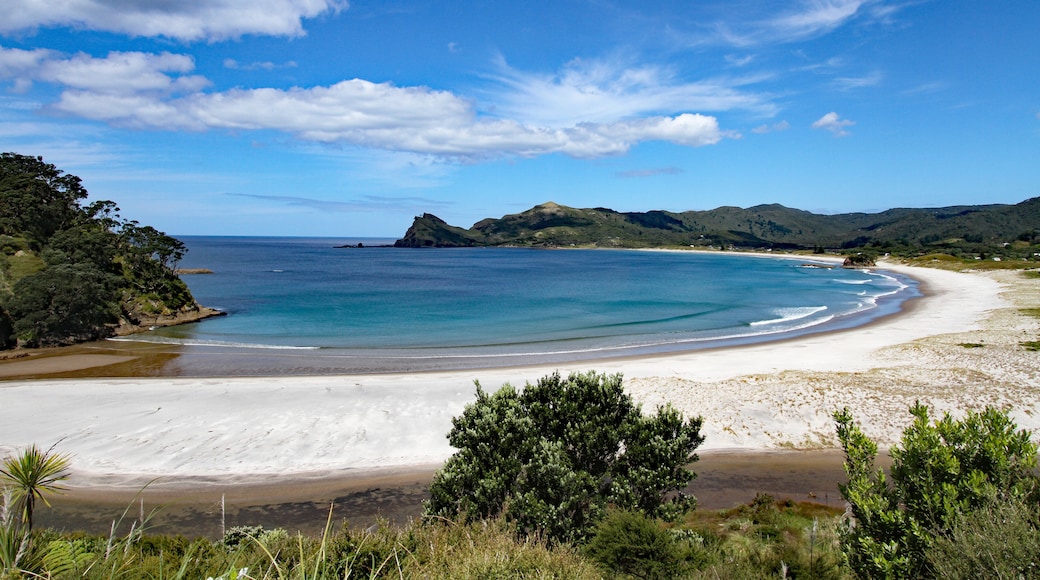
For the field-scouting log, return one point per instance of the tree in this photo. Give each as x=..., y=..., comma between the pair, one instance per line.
x=70, y=273
x=62, y=304
x=36, y=198
x=941, y=472
x=32, y=474
x=553, y=457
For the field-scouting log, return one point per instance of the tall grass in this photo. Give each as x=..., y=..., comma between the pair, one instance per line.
x=763, y=539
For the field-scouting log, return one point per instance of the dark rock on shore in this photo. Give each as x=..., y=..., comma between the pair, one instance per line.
x=144, y=322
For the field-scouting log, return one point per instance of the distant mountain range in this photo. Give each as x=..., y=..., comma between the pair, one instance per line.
x=990, y=229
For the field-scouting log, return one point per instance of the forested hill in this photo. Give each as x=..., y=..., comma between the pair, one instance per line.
x=69, y=272
x=991, y=230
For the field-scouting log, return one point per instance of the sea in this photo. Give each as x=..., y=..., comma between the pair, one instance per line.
x=357, y=305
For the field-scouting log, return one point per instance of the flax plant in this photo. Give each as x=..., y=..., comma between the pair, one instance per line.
x=31, y=475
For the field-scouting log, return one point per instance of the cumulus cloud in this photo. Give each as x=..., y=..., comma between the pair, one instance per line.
x=834, y=123
x=186, y=21
x=157, y=91
x=117, y=73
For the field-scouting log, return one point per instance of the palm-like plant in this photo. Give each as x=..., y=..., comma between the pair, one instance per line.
x=32, y=474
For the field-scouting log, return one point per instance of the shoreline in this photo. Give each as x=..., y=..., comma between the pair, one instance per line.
x=122, y=356
x=762, y=400
x=125, y=357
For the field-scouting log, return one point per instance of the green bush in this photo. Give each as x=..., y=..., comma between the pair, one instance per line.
x=1001, y=539
x=554, y=456
x=629, y=543
x=941, y=471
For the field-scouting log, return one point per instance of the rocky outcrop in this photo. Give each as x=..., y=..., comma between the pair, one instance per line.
x=430, y=231
x=858, y=261
x=140, y=322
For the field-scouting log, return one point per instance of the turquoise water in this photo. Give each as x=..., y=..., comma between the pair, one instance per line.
x=304, y=303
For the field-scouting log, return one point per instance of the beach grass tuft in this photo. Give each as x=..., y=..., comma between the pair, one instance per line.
x=760, y=539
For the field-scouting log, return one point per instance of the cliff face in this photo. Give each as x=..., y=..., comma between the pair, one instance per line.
x=430, y=231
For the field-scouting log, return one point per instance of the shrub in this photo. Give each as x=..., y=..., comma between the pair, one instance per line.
x=1001, y=539
x=629, y=543
x=553, y=457
x=940, y=472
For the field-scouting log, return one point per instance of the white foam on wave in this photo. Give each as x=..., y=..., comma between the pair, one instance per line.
x=790, y=314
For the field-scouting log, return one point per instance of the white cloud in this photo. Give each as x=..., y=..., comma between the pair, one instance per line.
x=649, y=172
x=850, y=83
x=803, y=20
x=925, y=89
x=813, y=18
x=600, y=91
x=834, y=123
x=157, y=91
x=118, y=73
x=182, y=20
x=781, y=126
x=739, y=61
x=230, y=63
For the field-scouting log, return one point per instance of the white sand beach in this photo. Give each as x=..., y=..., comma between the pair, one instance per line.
x=776, y=395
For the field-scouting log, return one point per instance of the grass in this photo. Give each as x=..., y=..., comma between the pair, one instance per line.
x=765, y=538
x=1031, y=345
x=971, y=344
x=948, y=262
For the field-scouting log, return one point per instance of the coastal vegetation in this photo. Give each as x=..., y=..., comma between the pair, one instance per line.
x=554, y=456
x=984, y=232
x=933, y=516
x=960, y=501
x=72, y=271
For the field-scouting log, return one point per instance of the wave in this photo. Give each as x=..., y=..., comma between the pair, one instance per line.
x=790, y=314
x=655, y=343
x=212, y=343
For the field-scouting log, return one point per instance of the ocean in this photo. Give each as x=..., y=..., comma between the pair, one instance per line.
x=304, y=305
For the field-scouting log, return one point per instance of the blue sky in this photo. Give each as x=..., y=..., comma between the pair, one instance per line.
x=323, y=117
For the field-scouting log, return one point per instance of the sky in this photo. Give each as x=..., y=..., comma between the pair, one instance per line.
x=347, y=119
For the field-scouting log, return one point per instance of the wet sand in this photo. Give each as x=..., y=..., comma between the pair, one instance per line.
x=359, y=500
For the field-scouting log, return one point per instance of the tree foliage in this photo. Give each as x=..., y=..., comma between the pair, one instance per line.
x=555, y=455
x=71, y=272
x=941, y=470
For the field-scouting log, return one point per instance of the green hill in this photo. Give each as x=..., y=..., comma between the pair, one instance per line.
x=71, y=273
x=967, y=231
